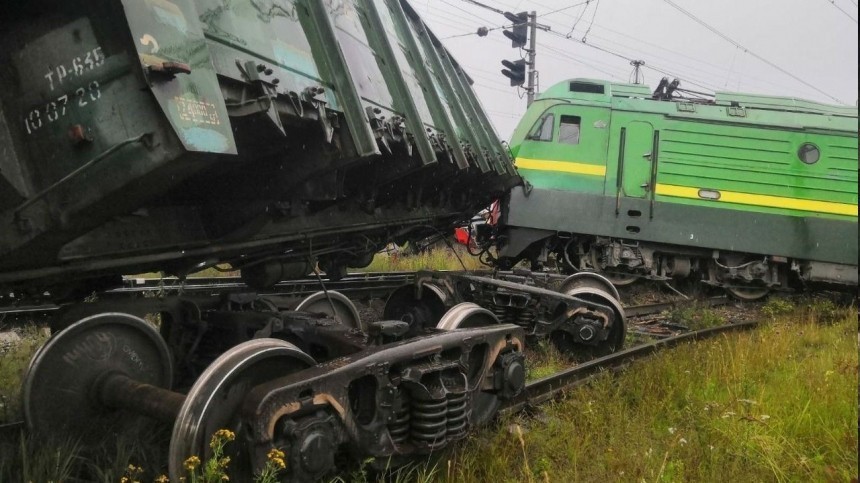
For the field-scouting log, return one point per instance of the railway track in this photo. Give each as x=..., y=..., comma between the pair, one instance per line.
x=356, y=285
x=542, y=390
x=379, y=286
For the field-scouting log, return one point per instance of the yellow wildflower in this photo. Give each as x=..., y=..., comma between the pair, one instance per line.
x=279, y=462
x=224, y=434
x=224, y=462
x=275, y=453
x=162, y=479
x=191, y=463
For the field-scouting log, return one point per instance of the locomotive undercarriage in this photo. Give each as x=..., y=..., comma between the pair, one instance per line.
x=309, y=376
x=745, y=276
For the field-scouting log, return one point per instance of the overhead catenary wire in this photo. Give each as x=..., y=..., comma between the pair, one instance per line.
x=446, y=2
x=719, y=71
x=565, y=8
x=675, y=53
x=591, y=24
x=748, y=51
x=720, y=75
x=578, y=19
x=833, y=2
x=628, y=59
x=475, y=33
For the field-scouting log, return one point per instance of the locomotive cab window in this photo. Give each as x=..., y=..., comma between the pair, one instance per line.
x=543, y=129
x=569, y=129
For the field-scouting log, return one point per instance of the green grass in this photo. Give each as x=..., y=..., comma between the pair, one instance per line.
x=544, y=359
x=775, y=404
x=440, y=258
x=436, y=259
x=13, y=364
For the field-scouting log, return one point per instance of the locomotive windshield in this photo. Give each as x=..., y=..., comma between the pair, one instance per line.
x=543, y=129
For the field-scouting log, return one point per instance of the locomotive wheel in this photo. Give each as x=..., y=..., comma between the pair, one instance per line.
x=748, y=294
x=464, y=316
x=619, y=279
x=344, y=310
x=418, y=313
x=589, y=279
x=617, y=334
x=65, y=373
x=215, y=400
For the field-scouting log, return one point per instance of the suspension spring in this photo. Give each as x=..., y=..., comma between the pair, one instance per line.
x=429, y=422
x=457, y=404
x=526, y=317
x=503, y=313
x=399, y=427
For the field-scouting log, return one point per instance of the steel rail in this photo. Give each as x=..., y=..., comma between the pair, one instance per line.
x=650, y=309
x=542, y=390
x=357, y=285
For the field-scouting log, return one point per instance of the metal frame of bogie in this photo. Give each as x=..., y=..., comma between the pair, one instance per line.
x=306, y=375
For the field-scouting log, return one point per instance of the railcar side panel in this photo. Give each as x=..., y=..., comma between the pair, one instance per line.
x=243, y=123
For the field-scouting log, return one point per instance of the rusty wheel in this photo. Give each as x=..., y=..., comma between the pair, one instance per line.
x=64, y=374
x=215, y=400
x=333, y=304
x=420, y=313
x=574, y=338
x=467, y=315
x=748, y=293
x=589, y=279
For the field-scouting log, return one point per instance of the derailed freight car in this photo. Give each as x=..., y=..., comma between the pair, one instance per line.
x=173, y=135
x=746, y=192
x=272, y=135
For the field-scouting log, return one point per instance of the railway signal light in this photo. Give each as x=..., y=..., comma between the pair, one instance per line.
x=519, y=34
x=516, y=72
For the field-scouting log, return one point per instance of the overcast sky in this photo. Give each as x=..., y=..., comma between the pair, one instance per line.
x=812, y=40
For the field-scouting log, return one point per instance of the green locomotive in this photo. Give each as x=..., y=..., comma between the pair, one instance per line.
x=747, y=192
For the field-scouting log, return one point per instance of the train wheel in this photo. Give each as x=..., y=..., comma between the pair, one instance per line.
x=215, y=400
x=748, y=294
x=589, y=279
x=618, y=278
x=333, y=304
x=64, y=374
x=421, y=313
x=464, y=316
x=565, y=339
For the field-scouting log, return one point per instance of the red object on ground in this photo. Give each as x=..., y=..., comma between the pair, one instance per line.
x=462, y=235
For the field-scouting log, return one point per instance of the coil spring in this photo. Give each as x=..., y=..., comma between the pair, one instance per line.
x=429, y=420
x=399, y=427
x=526, y=316
x=457, y=404
x=503, y=313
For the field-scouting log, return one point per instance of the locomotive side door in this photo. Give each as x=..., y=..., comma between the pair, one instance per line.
x=637, y=159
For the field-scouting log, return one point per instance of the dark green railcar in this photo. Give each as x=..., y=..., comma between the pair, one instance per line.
x=169, y=135
x=747, y=192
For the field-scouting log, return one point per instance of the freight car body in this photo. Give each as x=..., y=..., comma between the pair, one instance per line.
x=747, y=192
x=270, y=134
